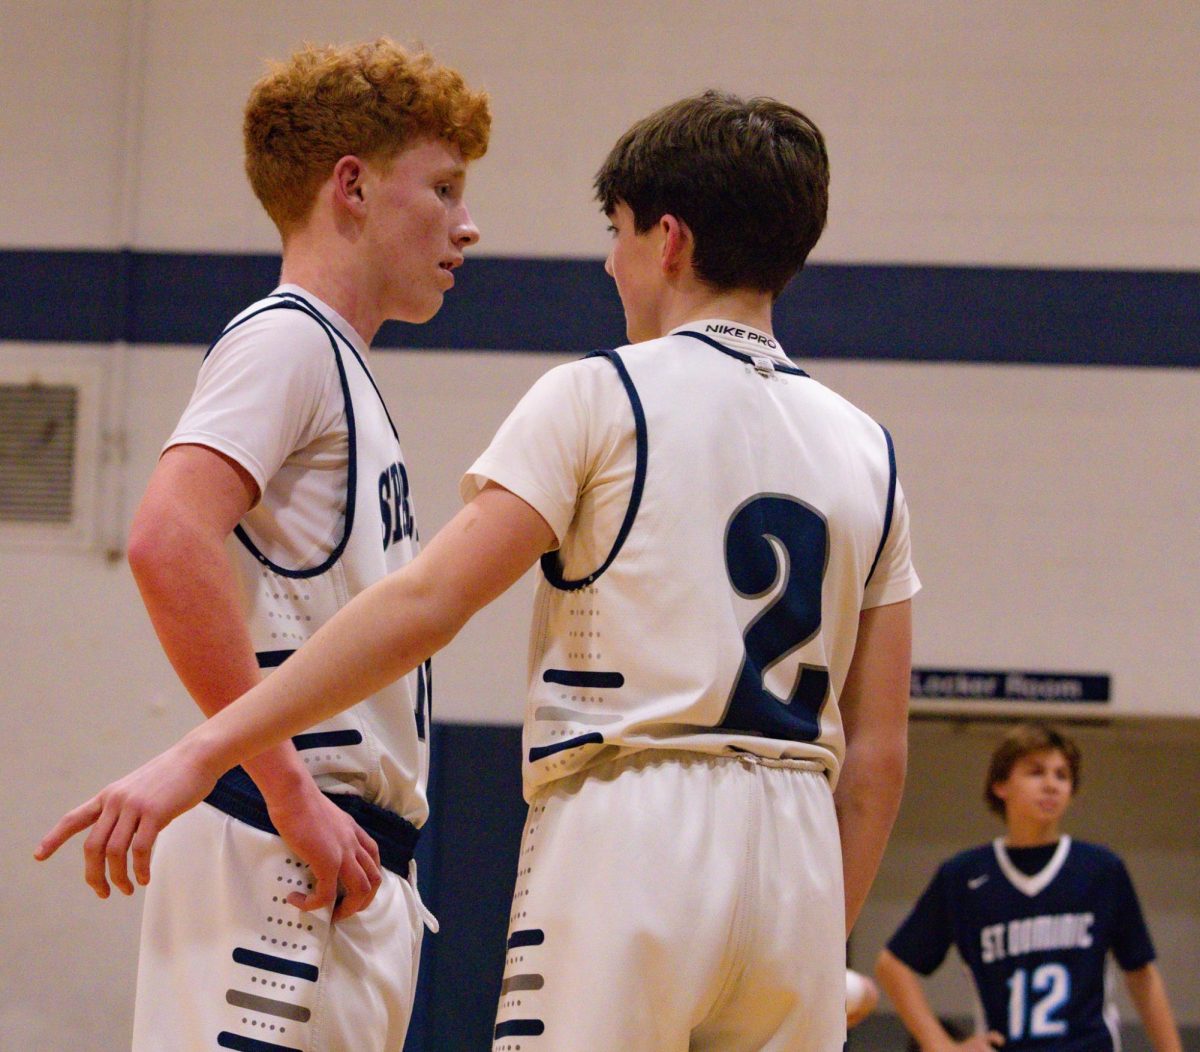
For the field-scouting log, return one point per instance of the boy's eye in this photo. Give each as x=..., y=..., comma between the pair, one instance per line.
x=611, y=229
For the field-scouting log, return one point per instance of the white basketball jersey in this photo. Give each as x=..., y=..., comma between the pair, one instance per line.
x=335, y=517
x=723, y=520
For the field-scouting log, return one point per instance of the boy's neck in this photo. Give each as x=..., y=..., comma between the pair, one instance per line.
x=335, y=286
x=325, y=259
x=745, y=306
x=1031, y=834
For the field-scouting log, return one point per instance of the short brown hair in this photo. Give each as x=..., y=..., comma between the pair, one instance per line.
x=1022, y=741
x=371, y=100
x=749, y=177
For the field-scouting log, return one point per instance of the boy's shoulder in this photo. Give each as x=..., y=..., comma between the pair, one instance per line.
x=967, y=862
x=1094, y=856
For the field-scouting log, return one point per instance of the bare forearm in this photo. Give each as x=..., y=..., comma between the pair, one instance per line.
x=1149, y=994
x=385, y=631
x=339, y=666
x=190, y=592
x=867, y=801
x=191, y=595
x=903, y=986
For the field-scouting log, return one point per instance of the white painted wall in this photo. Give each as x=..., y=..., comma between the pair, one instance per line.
x=1055, y=509
x=961, y=131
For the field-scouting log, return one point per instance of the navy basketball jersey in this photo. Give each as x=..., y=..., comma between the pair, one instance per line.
x=1036, y=943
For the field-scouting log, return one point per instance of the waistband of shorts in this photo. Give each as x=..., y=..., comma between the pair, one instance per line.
x=729, y=755
x=782, y=763
x=236, y=795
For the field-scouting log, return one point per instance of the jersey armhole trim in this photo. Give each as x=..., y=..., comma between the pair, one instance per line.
x=891, y=500
x=295, y=303
x=310, y=309
x=550, y=560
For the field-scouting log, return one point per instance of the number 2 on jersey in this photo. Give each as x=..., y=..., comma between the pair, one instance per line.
x=793, y=617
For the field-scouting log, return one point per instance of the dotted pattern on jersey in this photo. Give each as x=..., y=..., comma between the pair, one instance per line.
x=272, y=1002
x=522, y=971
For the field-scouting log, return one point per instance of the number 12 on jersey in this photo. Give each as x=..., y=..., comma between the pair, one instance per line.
x=769, y=537
x=1053, y=982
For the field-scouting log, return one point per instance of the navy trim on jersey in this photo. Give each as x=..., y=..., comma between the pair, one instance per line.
x=526, y=937
x=549, y=561
x=295, y=303
x=519, y=1028
x=573, y=678
x=251, y=1044
x=236, y=795
x=354, y=351
x=326, y=739
x=272, y=658
x=279, y=965
x=268, y=1005
x=891, y=500
x=542, y=751
x=782, y=367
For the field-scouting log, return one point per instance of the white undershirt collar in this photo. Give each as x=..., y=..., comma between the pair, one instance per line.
x=736, y=335
x=1031, y=884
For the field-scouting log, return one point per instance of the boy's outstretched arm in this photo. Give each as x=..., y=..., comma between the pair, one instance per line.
x=380, y=635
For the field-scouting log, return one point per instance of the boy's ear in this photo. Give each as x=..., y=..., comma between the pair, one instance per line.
x=348, y=176
x=677, y=244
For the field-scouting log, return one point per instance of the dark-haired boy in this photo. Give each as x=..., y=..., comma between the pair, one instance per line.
x=722, y=633
x=1034, y=915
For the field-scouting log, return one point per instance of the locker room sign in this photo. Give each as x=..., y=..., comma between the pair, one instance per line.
x=960, y=684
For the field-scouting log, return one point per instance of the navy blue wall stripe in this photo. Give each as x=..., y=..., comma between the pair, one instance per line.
x=903, y=313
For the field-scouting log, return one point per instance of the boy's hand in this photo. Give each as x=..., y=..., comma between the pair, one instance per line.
x=126, y=818
x=343, y=858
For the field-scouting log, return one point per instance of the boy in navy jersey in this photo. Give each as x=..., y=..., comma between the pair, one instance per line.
x=1034, y=916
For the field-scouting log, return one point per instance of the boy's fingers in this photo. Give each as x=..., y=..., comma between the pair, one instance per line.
x=368, y=844
x=93, y=852
x=321, y=896
x=71, y=823
x=141, y=849
x=116, y=850
x=360, y=881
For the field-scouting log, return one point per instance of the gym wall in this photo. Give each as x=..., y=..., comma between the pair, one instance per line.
x=1009, y=281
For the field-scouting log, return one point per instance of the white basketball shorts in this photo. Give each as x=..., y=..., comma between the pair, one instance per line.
x=225, y=962
x=672, y=901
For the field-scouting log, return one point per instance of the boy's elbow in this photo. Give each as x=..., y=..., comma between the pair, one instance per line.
x=156, y=546
x=144, y=549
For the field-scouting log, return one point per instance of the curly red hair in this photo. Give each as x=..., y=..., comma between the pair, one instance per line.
x=371, y=100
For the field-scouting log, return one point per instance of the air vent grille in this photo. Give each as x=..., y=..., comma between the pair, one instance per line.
x=37, y=452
